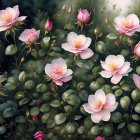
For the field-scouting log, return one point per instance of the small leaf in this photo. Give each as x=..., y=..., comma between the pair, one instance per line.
x=10, y=50
x=34, y=111
x=34, y=53
x=69, y=27
x=2, y=78
x=55, y=103
x=111, y=36
x=60, y=118
x=2, y=94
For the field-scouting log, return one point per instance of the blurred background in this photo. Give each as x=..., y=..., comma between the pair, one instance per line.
x=39, y=10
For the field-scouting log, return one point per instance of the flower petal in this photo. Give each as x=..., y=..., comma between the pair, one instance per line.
x=116, y=78
x=100, y=96
x=71, y=37
x=124, y=68
x=85, y=54
x=106, y=74
x=21, y=18
x=96, y=117
x=66, y=79
x=88, y=109
x=105, y=115
x=87, y=43
x=114, y=107
x=136, y=79
x=68, y=72
x=3, y=28
x=58, y=82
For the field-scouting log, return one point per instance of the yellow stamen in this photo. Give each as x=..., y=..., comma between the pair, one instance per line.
x=126, y=24
x=113, y=67
x=77, y=44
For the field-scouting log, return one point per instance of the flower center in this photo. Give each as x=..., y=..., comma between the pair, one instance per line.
x=77, y=44
x=126, y=24
x=29, y=35
x=7, y=17
x=58, y=71
x=113, y=67
x=98, y=104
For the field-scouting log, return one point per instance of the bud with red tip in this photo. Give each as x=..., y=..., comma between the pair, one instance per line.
x=34, y=118
x=48, y=25
x=40, y=100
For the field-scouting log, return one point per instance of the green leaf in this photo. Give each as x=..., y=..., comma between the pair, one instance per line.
x=116, y=117
x=81, y=129
x=121, y=125
x=73, y=100
x=2, y=78
x=77, y=117
x=34, y=53
x=83, y=95
x=19, y=95
x=45, y=43
x=2, y=129
x=125, y=102
x=50, y=123
x=45, y=117
x=134, y=128
x=10, y=86
x=20, y=119
x=45, y=108
x=55, y=103
x=118, y=92
x=22, y=76
x=30, y=84
x=95, y=130
x=9, y=112
x=10, y=50
x=111, y=36
x=70, y=127
x=34, y=111
x=100, y=47
x=69, y=27
x=24, y=101
x=126, y=87
x=137, y=108
x=41, y=87
x=135, y=95
x=60, y=118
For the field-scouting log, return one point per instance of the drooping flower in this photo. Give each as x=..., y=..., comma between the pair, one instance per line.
x=29, y=36
x=58, y=71
x=136, y=79
x=127, y=25
x=48, y=25
x=100, y=106
x=137, y=49
x=78, y=44
x=99, y=138
x=115, y=67
x=39, y=135
x=9, y=17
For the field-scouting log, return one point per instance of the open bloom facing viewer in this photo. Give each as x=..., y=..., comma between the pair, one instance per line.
x=78, y=44
x=115, y=67
x=127, y=25
x=58, y=71
x=100, y=106
x=9, y=17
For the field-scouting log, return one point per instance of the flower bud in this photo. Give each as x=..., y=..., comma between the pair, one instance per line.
x=48, y=25
x=137, y=49
x=70, y=10
x=64, y=8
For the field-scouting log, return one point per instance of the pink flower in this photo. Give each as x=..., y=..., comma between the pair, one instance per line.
x=78, y=44
x=115, y=67
x=100, y=106
x=48, y=25
x=83, y=16
x=136, y=79
x=58, y=71
x=39, y=135
x=137, y=49
x=127, y=25
x=99, y=138
x=34, y=118
x=40, y=100
x=9, y=17
x=29, y=36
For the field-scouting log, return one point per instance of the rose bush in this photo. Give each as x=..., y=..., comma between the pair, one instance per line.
x=58, y=86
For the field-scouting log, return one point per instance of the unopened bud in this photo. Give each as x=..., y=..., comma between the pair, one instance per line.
x=70, y=10
x=54, y=41
x=96, y=31
x=22, y=60
x=106, y=20
x=64, y=8
x=101, y=34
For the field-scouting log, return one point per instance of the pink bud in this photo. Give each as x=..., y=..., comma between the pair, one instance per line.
x=48, y=25
x=99, y=138
x=83, y=16
x=94, y=10
x=39, y=135
x=116, y=43
x=40, y=100
x=34, y=118
x=137, y=49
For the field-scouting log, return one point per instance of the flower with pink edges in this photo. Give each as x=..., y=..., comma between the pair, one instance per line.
x=115, y=67
x=29, y=36
x=48, y=25
x=99, y=138
x=39, y=135
x=137, y=49
x=58, y=71
x=78, y=44
x=100, y=106
x=136, y=79
x=9, y=17
x=83, y=16
x=127, y=25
